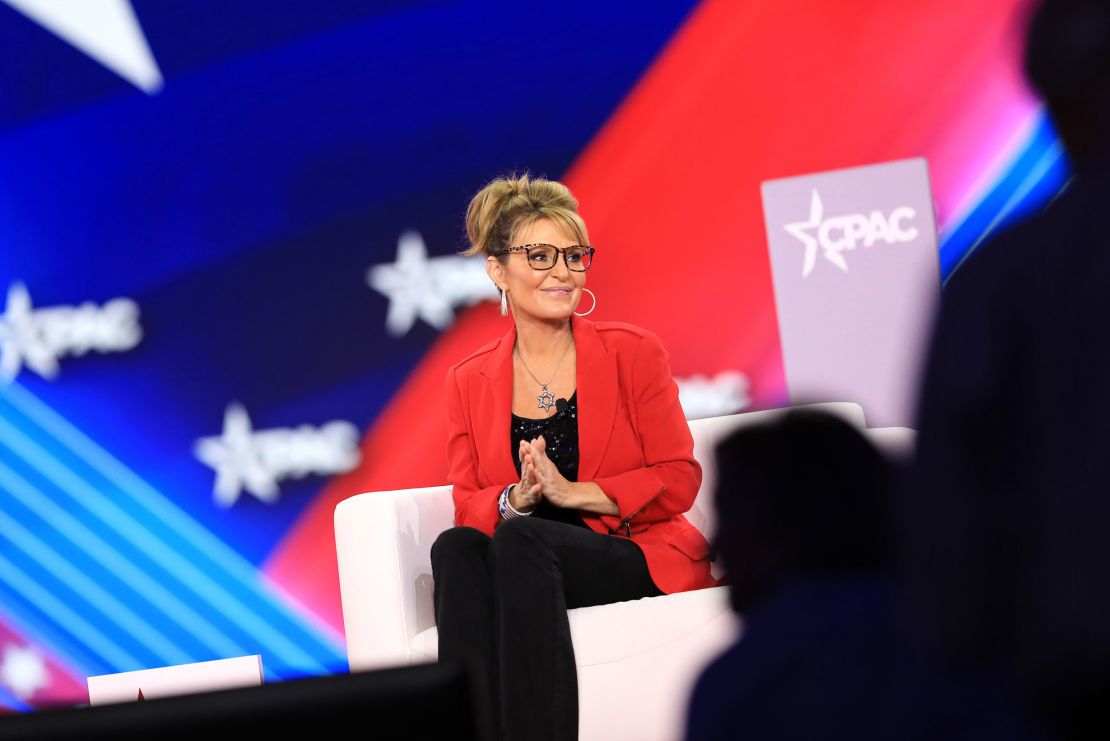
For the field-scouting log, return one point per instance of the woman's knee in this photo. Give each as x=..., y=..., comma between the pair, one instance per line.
x=514, y=536
x=458, y=542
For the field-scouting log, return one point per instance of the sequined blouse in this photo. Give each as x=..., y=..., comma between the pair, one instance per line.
x=560, y=434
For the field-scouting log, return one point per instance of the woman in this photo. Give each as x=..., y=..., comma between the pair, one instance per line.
x=571, y=464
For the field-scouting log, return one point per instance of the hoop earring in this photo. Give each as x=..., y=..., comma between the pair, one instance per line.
x=504, y=304
x=584, y=313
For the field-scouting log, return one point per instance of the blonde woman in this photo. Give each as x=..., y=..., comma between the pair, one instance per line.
x=571, y=464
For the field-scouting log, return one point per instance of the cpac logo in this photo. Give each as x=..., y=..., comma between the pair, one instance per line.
x=37, y=338
x=256, y=461
x=419, y=287
x=836, y=234
x=724, y=393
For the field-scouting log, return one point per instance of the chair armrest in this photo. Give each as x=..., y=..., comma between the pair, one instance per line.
x=383, y=543
x=896, y=443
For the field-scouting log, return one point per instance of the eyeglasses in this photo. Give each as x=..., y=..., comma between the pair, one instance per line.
x=578, y=257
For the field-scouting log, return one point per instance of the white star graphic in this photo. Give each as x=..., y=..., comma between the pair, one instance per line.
x=23, y=670
x=419, y=287
x=106, y=30
x=21, y=341
x=800, y=229
x=237, y=460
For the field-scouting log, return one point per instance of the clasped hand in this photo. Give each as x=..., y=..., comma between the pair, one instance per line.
x=539, y=478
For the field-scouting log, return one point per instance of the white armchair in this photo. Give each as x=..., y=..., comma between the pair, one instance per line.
x=637, y=661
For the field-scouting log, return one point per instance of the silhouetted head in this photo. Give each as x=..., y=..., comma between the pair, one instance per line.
x=1067, y=60
x=804, y=497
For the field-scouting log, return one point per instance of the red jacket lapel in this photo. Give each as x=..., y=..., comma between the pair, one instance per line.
x=598, y=393
x=492, y=408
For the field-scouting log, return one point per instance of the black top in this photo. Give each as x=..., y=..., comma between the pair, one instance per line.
x=560, y=433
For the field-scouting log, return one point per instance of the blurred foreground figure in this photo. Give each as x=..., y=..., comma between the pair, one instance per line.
x=827, y=652
x=1007, y=519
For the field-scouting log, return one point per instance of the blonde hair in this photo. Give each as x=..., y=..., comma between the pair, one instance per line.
x=508, y=205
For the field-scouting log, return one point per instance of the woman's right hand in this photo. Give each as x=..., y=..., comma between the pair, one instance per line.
x=525, y=495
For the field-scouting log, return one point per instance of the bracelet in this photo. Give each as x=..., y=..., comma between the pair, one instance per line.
x=507, y=511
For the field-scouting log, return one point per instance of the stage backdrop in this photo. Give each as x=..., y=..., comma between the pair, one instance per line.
x=229, y=287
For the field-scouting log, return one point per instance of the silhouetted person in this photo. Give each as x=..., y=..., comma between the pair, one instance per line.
x=1009, y=514
x=827, y=651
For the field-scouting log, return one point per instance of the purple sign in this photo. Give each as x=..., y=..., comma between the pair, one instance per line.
x=855, y=266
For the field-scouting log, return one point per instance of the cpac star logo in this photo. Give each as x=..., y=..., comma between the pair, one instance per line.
x=256, y=461
x=724, y=393
x=23, y=671
x=419, y=287
x=836, y=234
x=37, y=338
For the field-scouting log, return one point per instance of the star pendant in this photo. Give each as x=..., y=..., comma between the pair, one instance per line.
x=546, y=400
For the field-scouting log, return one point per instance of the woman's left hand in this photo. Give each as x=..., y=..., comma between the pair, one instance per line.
x=583, y=496
x=553, y=487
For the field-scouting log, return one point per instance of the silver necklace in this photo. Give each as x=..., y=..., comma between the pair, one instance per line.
x=546, y=399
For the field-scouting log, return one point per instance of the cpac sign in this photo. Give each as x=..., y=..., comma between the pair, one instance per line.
x=255, y=461
x=855, y=334
x=38, y=338
x=837, y=234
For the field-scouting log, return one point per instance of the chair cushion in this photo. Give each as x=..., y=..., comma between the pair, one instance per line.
x=608, y=633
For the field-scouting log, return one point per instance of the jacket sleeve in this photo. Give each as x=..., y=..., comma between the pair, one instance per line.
x=668, y=484
x=474, y=506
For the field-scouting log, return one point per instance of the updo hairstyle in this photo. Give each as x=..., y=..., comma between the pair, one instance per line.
x=506, y=206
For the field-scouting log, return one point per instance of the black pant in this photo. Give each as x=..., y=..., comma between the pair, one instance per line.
x=501, y=606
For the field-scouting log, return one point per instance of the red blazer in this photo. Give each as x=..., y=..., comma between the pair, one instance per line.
x=633, y=440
